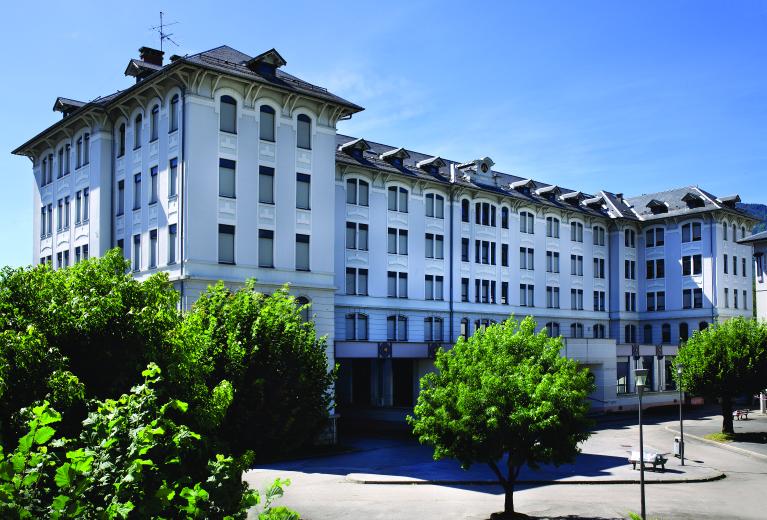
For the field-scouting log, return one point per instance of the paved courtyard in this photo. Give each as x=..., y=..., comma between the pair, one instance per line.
x=394, y=478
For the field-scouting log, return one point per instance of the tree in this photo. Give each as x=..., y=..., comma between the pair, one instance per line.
x=276, y=364
x=504, y=392
x=726, y=360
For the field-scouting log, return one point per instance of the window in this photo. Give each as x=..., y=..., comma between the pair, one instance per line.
x=552, y=297
x=137, y=124
x=735, y=265
x=303, y=190
x=173, y=126
x=526, y=222
x=120, y=142
x=153, y=249
x=655, y=269
x=743, y=267
x=464, y=289
x=464, y=210
x=396, y=284
x=79, y=153
x=599, y=331
x=526, y=295
x=691, y=232
x=435, y=205
x=356, y=236
x=226, y=178
x=742, y=232
x=356, y=281
x=86, y=148
x=656, y=301
x=153, y=185
x=702, y=325
x=552, y=227
x=526, y=258
x=735, y=298
x=552, y=329
x=50, y=219
x=228, y=115
x=692, y=265
x=397, y=199
x=357, y=192
x=136, y=252
x=265, y=185
x=302, y=252
x=225, y=244
x=726, y=298
x=464, y=332
x=655, y=237
x=435, y=246
x=60, y=215
x=505, y=217
x=265, y=248
x=630, y=334
x=172, y=244
x=266, y=123
x=552, y=262
x=684, y=332
x=725, y=264
x=599, y=235
x=67, y=155
x=465, y=250
x=434, y=287
x=692, y=299
x=576, y=265
x=630, y=301
x=745, y=299
x=173, y=178
x=629, y=269
x=304, y=132
x=724, y=231
x=600, y=298
x=505, y=293
x=432, y=329
x=136, y=192
x=484, y=252
x=576, y=299
x=576, y=232
x=86, y=204
x=396, y=328
x=504, y=255
x=397, y=241
x=120, y=197
x=154, y=120
x=599, y=268
x=357, y=327
x=77, y=255
x=576, y=330
x=629, y=238
x=61, y=163
x=67, y=210
x=647, y=334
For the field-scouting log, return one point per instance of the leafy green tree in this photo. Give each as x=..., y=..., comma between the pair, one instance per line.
x=504, y=393
x=726, y=360
x=273, y=359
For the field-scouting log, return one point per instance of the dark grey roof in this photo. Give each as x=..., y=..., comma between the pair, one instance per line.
x=676, y=201
x=756, y=237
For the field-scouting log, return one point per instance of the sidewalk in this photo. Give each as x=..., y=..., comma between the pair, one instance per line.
x=751, y=433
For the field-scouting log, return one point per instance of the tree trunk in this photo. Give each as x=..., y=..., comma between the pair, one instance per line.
x=727, y=426
x=508, y=505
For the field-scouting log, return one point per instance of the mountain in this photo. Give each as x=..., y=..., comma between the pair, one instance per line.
x=758, y=211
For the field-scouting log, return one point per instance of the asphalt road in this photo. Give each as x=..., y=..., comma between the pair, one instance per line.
x=320, y=489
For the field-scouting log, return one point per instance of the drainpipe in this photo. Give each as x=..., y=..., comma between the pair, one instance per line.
x=182, y=192
x=112, y=170
x=714, y=295
x=452, y=260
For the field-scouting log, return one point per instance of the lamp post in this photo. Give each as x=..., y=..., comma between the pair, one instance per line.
x=679, y=369
x=641, y=380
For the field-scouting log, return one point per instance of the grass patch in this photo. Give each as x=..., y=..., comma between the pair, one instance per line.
x=755, y=437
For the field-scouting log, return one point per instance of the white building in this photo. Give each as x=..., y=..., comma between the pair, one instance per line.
x=220, y=166
x=759, y=243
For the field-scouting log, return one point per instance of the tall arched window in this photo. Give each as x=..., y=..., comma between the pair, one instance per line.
x=266, y=123
x=666, y=333
x=357, y=327
x=576, y=330
x=396, y=328
x=121, y=141
x=552, y=329
x=465, y=211
x=647, y=333
x=630, y=334
x=228, y=115
x=304, y=307
x=173, y=123
x=703, y=325
x=504, y=217
x=304, y=131
x=684, y=332
x=154, y=122
x=599, y=331
x=137, y=124
x=432, y=329
x=86, y=148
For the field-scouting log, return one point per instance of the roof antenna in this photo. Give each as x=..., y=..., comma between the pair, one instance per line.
x=161, y=31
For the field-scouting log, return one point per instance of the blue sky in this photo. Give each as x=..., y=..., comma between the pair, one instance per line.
x=624, y=96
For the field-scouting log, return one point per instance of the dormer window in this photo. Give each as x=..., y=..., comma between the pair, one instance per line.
x=729, y=201
x=355, y=148
x=523, y=186
x=657, y=206
x=573, y=197
x=431, y=165
x=549, y=192
x=595, y=203
x=267, y=63
x=693, y=201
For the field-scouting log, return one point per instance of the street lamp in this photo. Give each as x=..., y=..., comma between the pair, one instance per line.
x=641, y=381
x=679, y=369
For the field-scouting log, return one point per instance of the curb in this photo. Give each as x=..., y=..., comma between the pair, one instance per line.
x=354, y=480
x=722, y=445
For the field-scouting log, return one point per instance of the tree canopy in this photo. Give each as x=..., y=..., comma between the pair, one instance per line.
x=505, y=392
x=726, y=360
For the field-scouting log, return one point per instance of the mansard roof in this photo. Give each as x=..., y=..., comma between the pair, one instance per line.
x=676, y=202
x=756, y=237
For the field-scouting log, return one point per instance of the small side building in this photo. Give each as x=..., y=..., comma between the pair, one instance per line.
x=759, y=243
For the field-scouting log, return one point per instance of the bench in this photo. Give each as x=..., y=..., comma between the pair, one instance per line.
x=656, y=459
x=740, y=415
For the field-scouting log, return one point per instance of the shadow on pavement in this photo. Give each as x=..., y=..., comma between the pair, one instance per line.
x=522, y=516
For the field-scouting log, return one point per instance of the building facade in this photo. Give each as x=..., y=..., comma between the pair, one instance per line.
x=221, y=166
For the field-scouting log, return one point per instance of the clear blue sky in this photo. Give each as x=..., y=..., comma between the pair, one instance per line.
x=625, y=96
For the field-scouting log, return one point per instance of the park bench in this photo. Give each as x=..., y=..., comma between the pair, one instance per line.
x=656, y=459
x=739, y=415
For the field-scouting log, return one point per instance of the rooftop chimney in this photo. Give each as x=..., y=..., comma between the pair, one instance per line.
x=150, y=55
